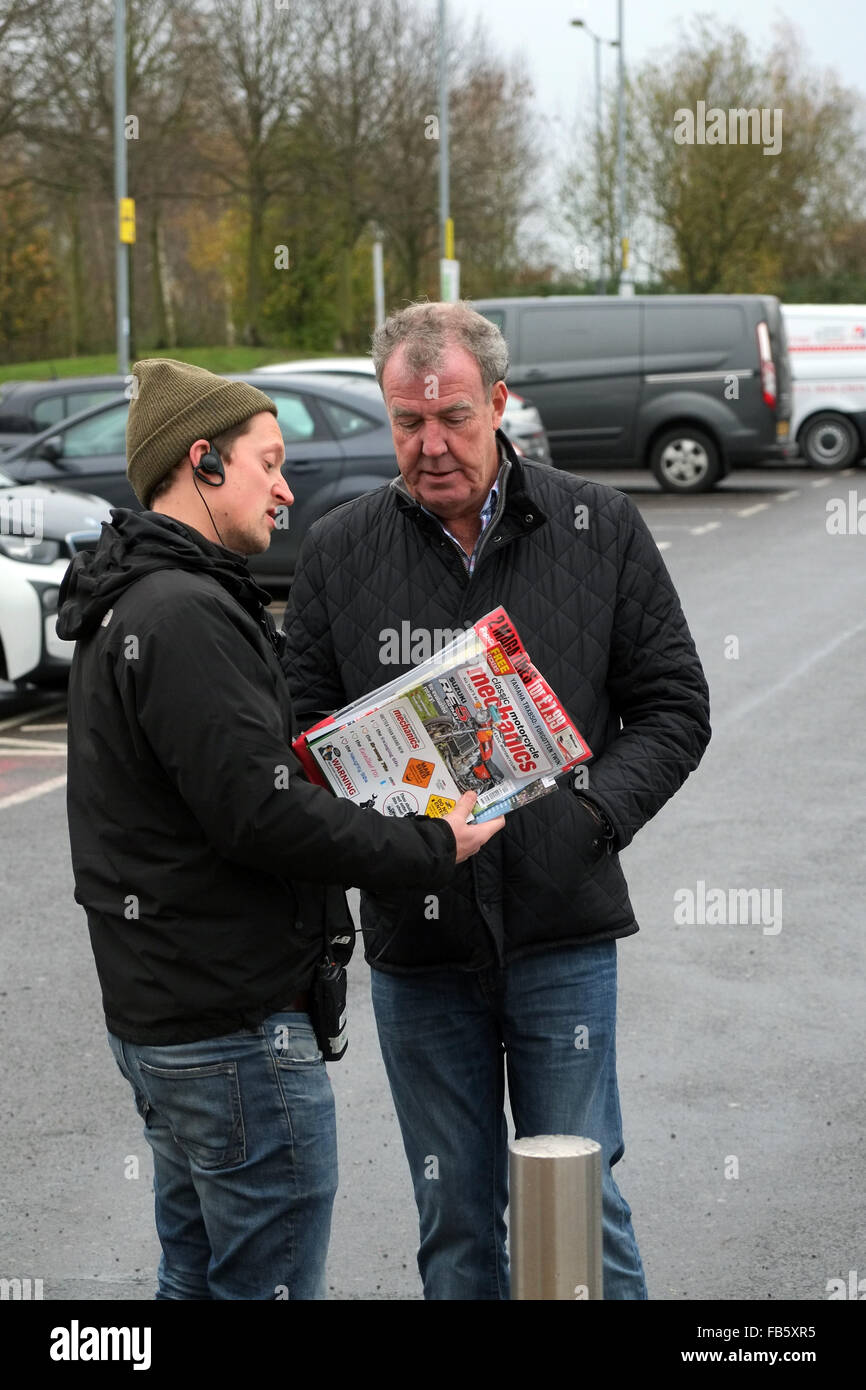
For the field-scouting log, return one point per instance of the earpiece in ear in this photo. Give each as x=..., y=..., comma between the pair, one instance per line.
x=210, y=468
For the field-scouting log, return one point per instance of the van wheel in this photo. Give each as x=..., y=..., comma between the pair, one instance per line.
x=829, y=441
x=686, y=460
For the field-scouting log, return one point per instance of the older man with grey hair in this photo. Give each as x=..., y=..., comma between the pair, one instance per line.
x=517, y=966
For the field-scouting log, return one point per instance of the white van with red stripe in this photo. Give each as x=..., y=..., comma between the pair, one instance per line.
x=827, y=350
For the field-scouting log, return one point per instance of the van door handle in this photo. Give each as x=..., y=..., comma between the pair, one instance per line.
x=302, y=466
x=535, y=374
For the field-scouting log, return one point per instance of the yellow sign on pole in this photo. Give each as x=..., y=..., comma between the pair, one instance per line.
x=449, y=238
x=126, y=230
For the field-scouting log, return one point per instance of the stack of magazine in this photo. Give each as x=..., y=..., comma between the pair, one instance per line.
x=477, y=716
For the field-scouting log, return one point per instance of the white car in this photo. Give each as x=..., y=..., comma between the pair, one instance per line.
x=521, y=422
x=41, y=528
x=827, y=351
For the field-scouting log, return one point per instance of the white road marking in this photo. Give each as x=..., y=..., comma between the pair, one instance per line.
x=771, y=691
x=821, y=482
x=664, y=545
x=43, y=744
x=708, y=526
x=18, y=719
x=31, y=792
x=786, y=496
x=46, y=728
x=750, y=511
x=13, y=752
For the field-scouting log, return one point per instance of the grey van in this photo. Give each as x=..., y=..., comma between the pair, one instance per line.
x=687, y=385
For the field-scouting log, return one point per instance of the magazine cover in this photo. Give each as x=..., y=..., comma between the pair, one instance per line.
x=477, y=716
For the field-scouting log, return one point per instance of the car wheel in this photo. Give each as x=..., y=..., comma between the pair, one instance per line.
x=829, y=442
x=685, y=459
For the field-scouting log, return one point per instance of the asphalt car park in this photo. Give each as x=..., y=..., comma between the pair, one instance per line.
x=735, y=1042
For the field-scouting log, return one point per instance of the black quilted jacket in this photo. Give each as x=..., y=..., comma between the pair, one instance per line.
x=579, y=573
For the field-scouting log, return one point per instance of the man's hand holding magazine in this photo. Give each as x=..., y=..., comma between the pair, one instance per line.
x=470, y=838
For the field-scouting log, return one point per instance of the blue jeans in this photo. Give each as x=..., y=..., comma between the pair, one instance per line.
x=443, y=1037
x=244, y=1144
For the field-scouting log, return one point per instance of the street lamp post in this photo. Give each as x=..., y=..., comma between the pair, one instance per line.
x=626, y=284
x=449, y=268
x=597, y=42
x=124, y=224
x=378, y=277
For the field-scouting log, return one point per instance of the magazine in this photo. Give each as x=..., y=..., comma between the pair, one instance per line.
x=476, y=716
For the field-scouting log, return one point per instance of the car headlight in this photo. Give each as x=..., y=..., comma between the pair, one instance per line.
x=31, y=551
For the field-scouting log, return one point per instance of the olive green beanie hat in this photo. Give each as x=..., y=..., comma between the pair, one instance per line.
x=172, y=405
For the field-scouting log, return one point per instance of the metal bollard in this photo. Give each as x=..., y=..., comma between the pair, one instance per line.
x=555, y=1217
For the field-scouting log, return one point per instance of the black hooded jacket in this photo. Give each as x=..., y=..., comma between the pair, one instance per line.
x=201, y=853
x=579, y=573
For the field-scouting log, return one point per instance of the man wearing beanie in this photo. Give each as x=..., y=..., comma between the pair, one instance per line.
x=208, y=866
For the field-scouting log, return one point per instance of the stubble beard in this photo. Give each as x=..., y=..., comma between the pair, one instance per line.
x=245, y=540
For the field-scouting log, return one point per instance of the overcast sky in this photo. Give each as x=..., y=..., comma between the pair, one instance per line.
x=559, y=59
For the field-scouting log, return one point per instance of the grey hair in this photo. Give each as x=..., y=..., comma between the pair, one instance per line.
x=426, y=328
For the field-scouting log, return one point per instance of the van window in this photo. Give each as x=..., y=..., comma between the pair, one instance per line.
x=670, y=328
x=579, y=334
x=496, y=317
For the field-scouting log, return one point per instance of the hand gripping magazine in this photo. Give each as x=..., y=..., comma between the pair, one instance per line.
x=477, y=716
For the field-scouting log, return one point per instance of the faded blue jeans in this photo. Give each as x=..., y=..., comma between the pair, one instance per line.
x=244, y=1144
x=444, y=1037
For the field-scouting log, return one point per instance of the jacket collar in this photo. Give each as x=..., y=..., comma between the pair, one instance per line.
x=517, y=511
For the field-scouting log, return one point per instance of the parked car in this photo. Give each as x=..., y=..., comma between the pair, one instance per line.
x=689, y=386
x=337, y=439
x=29, y=407
x=41, y=528
x=521, y=421
x=827, y=343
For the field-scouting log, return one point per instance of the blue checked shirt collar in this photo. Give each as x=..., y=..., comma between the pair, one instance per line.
x=485, y=515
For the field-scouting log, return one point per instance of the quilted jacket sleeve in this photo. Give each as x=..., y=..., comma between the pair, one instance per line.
x=309, y=664
x=657, y=688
